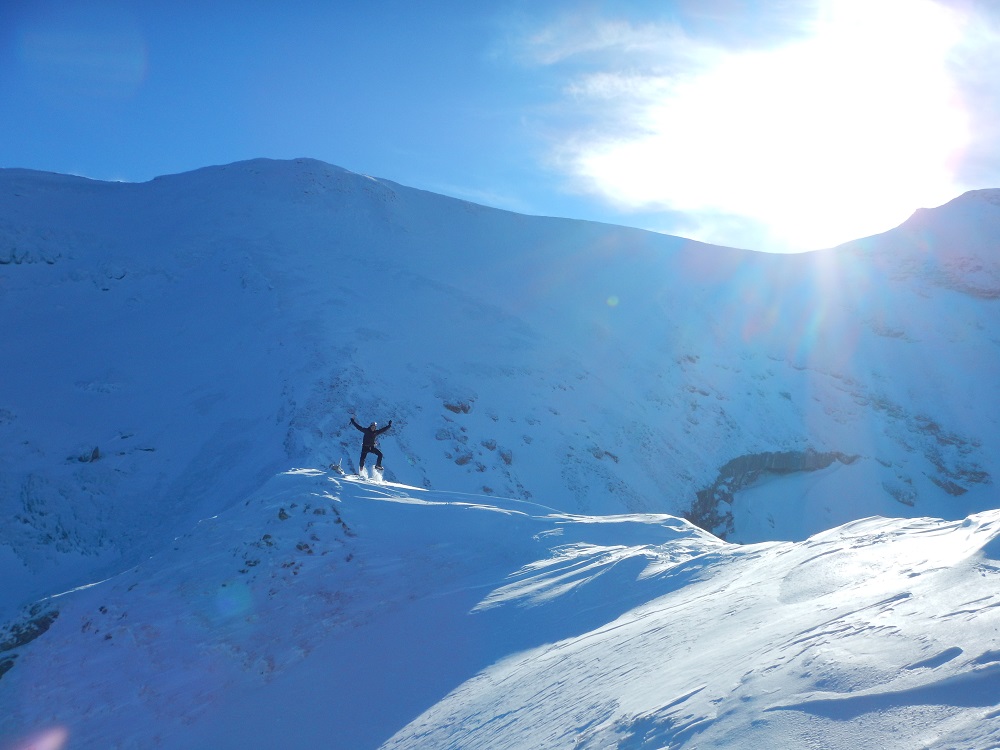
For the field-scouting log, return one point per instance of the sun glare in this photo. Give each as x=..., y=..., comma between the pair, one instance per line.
x=825, y=140
x=50, y=739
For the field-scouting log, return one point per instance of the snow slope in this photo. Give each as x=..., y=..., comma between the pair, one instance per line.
x=203, y=331
x=560, y=392
x=335, y=613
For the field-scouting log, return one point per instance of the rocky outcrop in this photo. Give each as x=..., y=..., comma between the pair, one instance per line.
x=33, y=623
x=711, y=509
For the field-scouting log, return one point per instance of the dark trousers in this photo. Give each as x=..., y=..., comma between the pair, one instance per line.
x=365, y=450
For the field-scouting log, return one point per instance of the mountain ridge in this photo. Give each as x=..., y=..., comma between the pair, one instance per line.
x=281, y=295
x=183, y=567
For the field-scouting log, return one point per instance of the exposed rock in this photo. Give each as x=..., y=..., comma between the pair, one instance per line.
x=712, y=515
x=37, y=620
x=461, y=407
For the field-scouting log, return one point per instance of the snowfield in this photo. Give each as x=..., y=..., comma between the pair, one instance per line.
x=330, y=612
x=641, y=492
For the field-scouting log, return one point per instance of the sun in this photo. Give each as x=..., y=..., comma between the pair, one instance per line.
x=820, y=141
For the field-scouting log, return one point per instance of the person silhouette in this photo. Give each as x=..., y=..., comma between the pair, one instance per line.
x=369, y=443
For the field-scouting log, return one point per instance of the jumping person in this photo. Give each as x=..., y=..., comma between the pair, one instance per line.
x=369, y=443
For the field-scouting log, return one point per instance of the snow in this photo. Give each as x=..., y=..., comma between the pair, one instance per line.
x=324, y=610
x=561, y=394
x=805, y=504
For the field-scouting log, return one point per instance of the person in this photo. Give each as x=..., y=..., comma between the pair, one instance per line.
x=369, y=443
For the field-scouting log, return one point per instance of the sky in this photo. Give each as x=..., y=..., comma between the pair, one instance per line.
x=781, y=126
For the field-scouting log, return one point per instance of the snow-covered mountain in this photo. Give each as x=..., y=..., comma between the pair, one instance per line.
x=174, y=349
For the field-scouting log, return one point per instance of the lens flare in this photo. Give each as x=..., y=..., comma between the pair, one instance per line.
x=82, y=56
x=49, y=739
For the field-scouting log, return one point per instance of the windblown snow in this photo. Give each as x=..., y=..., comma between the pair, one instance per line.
x=335, y=613
x=640, y=492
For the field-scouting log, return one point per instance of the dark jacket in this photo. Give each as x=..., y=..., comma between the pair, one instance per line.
x=371, y=436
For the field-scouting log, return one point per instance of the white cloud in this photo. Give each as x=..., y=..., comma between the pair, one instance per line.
x=840, y=133
x=577, y=35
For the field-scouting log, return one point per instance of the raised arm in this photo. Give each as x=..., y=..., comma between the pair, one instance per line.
x=356, y=425
x=379, y=432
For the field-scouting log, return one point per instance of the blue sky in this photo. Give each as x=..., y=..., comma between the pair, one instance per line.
x=791, y=124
